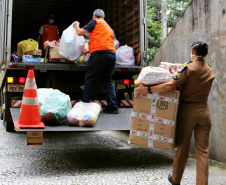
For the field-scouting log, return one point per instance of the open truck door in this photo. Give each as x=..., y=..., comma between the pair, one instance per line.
x=9, y=9
x=143, y=33
x=3, y=30
x=5, y=56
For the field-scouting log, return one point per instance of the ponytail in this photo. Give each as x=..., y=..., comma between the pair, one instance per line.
x=200, y=47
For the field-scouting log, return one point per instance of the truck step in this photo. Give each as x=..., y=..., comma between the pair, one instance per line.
x=107, y=122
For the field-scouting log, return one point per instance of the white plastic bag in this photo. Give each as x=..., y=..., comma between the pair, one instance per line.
x=154, y=75
x=75, y=115
x=116, y=43
x=125, y=55
x=87, y=57
x=91, y=114
x=43, y=94
x=85, y=112
x=71, y=44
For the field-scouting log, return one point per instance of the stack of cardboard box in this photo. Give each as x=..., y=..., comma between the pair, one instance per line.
x=153, y=121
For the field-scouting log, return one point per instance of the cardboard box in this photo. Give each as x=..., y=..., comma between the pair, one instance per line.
x=153, y=121
x=34, y=137
x=54, y=55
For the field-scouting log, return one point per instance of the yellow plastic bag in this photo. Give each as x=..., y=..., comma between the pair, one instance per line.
x=26, y=45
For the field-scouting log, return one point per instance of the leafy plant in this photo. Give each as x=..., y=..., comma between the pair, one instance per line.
x=175, y=9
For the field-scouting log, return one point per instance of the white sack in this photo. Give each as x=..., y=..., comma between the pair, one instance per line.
x=71, y=44
x=125, y=55
x=43, y=94
x=154, y=75
x=116, y=43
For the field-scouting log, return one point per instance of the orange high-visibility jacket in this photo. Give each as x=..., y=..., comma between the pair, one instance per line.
x=49, y=32
x=102, y=37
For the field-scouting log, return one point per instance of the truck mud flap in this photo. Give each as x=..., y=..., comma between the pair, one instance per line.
x=105, y=121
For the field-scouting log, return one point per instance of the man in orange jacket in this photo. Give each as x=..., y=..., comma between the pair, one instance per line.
x=101, y=63
x=48, y=31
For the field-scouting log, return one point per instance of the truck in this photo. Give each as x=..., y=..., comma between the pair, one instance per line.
x=21, y=19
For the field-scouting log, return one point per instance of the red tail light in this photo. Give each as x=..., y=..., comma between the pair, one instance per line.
x=126, y=82
x=22, y=80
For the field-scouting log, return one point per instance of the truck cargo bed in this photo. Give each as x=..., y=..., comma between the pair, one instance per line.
x=64, y=66
x=105, y=121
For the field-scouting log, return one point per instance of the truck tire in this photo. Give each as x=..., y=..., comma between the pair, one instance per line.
x=9, y=126
x=1, y=115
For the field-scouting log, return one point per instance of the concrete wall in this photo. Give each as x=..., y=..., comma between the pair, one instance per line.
x=206, y=20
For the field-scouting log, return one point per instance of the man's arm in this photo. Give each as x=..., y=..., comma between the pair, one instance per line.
x=40, y=34
x=80, y=31
x=39, y=38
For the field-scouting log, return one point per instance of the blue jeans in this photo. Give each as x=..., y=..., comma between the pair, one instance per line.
x=101, y=65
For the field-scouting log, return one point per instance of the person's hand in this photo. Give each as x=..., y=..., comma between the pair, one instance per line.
x=76, y=23
x=84, y=51
x=140, y=90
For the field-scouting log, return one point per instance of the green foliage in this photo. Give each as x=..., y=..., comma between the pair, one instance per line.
x=175, y=9
x=154, y=30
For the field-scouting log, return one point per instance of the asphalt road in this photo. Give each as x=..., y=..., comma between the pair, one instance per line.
x=89, y=158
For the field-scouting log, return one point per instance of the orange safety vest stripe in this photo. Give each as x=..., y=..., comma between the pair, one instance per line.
x=102, y=37
x=49, y=33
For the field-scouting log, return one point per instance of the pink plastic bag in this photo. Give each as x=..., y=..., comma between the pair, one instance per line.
x=172, y=67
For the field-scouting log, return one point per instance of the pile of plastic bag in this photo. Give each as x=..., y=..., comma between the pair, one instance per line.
x=54, y=105
x=87, y=113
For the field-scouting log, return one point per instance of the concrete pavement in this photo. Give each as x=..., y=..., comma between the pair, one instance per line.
x=89, y=158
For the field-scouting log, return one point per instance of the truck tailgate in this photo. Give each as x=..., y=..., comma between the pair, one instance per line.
x=105, y=121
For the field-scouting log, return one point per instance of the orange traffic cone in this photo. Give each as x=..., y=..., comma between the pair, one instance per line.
x=29, y=113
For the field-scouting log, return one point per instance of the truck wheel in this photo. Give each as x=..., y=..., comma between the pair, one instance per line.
x=1, y=116
x=9, y=126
